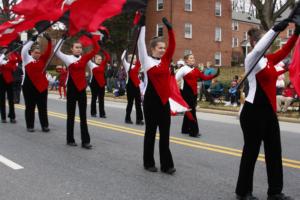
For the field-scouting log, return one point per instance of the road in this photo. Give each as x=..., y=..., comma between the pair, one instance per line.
x=38, y=166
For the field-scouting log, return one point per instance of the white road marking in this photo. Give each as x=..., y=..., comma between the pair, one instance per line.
x=10, y=163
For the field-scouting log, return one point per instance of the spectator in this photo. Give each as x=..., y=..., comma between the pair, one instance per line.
x=287, y=96
x=208, y=70
x=63, y=73
x=233, y=95
x=122, y=75
x=215, y=91
x=115, y=79
x=109, y=78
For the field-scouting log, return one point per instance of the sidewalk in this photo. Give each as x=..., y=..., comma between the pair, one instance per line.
x=202, y=107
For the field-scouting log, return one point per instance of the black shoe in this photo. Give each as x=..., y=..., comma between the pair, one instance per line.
x=31, y=130
x=140, y=122
x=72, y=144
x=4, y=121
x=13, y=121
x=151, y=169
x=87, y=146
x=195, y=135
x=103, y=116
x=94, y=115
x=170, y=171
x=246, y=197
x=279, y=197
x=45, y=129
x=128, y=121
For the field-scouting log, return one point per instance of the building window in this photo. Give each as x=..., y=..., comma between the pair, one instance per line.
x=159, y=5
x=159, y=30
x=218, y=59
x=187, y=52
x=235, y=42
x=245, y=35
x=188, y=30
x=218, y=34
x=188, y=5
x=218, y=9
x=235, y=25
x=290, y=32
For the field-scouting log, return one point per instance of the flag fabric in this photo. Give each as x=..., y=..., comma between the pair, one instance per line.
x=177, y=103
x=294, y=68
x=90, y=14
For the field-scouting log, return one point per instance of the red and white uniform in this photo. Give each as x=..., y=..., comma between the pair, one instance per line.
x=35, y=69
x=265, y=73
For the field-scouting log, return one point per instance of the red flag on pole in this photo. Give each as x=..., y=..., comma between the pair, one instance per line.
x=295, y=68
x=90, y=14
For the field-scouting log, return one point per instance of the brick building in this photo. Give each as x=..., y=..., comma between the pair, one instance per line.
x=201, y=27
x=241, y=23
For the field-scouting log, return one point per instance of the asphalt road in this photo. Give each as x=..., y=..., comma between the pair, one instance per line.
x=38, y=166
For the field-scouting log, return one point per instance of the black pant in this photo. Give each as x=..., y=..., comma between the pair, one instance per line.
x=97, y=92
x=133, y=94
x=6, y=88
x=189, y=126
x=73, y=96
x=33, y=98
x=156, y=115
x=260, y=123
x=17, y=91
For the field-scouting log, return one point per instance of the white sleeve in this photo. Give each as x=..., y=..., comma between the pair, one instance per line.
x=124, y=62
x=64, y=57
x=143, y=55
x=2, y=59
x=264, y=42
x=179, y=75
x=91, y=65
x=26, y=58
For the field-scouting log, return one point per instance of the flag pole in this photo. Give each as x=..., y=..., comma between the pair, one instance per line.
x=233, y=90
x=52, y=56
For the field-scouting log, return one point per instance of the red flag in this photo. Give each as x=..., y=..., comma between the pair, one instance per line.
x=39, y=10
x=90, y=14
x=295, y=68
x=137, y=18
x=86, y=41
x=177, y=103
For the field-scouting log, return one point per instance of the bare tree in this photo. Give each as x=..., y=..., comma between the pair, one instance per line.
x=269, y=10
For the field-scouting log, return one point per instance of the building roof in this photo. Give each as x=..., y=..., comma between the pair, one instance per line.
x=244, y=17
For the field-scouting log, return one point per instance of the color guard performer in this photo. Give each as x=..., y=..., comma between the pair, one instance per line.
x=97, y=82
x=63, y=74
x=190, y=76
x=76, y=89
x=7, y=68
x=133, y=89
x=156, y=98
x=258, y=118
x=35, y=84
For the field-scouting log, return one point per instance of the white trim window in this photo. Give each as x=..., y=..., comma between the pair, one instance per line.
x=187, y=52
x=218, y=8
x=235, y=42
x=245, y=35
x=235, y=25
x=218, y=34
x=188, y=30
x=159, y=30
x=159, y=5
x=188, y=6
x=218, y=59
